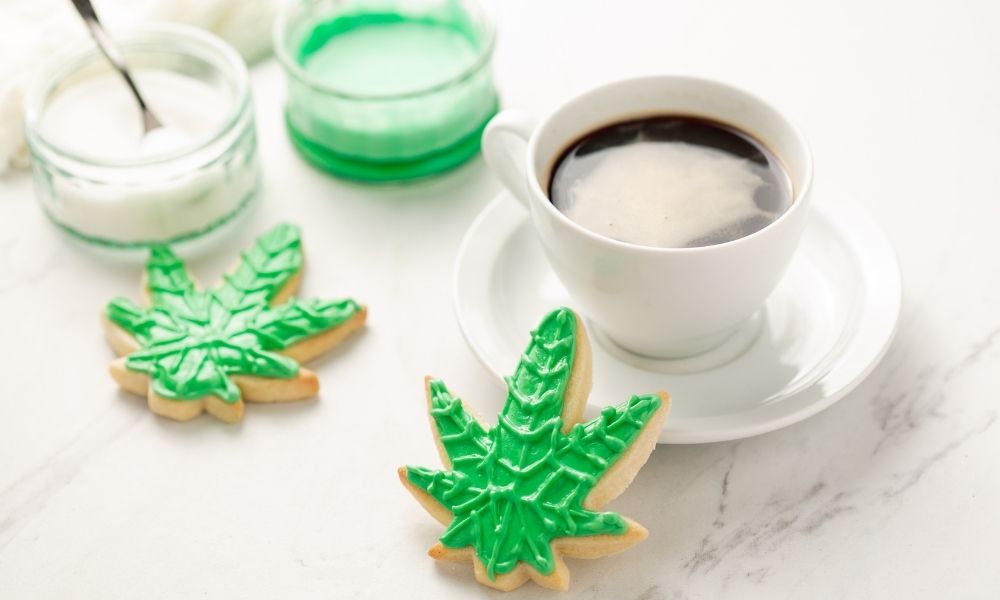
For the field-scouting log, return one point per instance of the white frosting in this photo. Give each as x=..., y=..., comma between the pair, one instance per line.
x=99, y=118
x=32, y=32
x=185, y=190
x=661, y=194
x=161, y=211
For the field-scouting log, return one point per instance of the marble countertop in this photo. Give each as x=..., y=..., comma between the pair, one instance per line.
x=891, y=493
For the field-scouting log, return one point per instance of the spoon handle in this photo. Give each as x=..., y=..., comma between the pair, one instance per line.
x=86, y=10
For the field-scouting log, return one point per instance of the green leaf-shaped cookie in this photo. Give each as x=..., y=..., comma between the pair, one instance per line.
x=193, y=350
x=522, y=494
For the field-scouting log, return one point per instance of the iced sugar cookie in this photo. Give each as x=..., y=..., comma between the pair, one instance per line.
x=520, y=496
x=192, y=350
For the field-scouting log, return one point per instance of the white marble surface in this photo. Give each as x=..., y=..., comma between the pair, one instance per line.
x=892, y=493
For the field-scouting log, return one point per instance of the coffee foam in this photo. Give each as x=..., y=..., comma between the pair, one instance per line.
x=663, y=194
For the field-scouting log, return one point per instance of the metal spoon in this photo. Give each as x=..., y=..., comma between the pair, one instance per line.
x=86, y=10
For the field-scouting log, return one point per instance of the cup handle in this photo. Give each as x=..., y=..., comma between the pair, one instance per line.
x=508, y=161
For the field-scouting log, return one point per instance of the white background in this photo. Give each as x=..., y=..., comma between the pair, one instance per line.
x=892, y=493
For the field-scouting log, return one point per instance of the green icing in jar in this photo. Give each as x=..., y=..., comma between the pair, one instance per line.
x=391, y=93
x=386, y=54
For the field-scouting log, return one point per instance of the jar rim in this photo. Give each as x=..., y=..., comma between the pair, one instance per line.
x=188, y=41
x=294, y=69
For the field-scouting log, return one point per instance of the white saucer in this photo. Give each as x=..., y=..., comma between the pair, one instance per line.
x=820, y=333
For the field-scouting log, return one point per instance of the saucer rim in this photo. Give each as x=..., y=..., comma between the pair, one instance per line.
x=850, y=222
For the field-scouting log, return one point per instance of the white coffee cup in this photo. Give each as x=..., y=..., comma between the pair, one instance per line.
x=657, y=302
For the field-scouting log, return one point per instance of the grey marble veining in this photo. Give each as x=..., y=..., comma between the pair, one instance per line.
x=890, y=493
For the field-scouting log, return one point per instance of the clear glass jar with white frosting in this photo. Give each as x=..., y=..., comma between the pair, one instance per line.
x=100, y=179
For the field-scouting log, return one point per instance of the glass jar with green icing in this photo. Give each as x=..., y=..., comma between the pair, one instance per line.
x=386, y=90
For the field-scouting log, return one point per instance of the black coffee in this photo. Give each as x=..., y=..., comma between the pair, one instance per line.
x=670, y=182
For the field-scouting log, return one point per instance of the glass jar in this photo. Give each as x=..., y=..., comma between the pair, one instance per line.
x=135, y=199
x=386, y=90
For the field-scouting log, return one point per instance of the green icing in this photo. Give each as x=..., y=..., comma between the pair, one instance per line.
x=520, y=485
x=192, y=341
x=449, y=17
